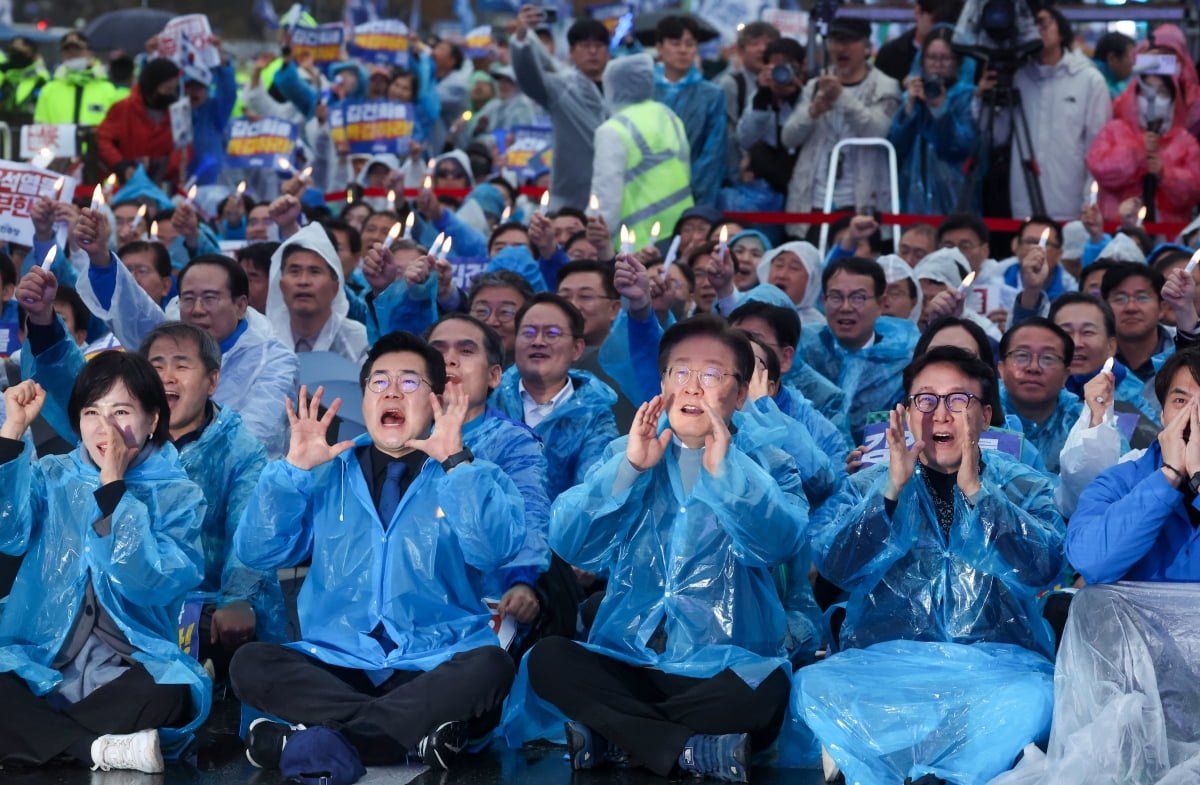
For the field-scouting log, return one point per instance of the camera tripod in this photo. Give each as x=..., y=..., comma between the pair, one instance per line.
x=1004, y=96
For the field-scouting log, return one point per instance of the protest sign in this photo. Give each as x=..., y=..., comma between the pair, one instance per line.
x=47, y=142
x=257, y=145
x=324, y=43
x=372, y=127
x=196, y=29
x=382, y=42
x=875, y=440
x=20, y=185
x=529, y=149
x=479, y=42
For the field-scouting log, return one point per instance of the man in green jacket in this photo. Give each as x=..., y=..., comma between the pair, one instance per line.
x=80, y=92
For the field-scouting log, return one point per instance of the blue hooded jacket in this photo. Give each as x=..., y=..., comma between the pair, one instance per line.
x=700, y=104
x=933, y=146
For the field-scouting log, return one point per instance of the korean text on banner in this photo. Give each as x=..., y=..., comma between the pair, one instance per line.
x=59, y=140
x=20, y=186
x=256, y=145
x=479, y=42
x=382, y=42
x=372, y=127
x=324, y=43
x=530, y=149
x=196, y=29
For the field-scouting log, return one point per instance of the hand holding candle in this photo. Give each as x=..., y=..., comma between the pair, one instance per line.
x=966, y=282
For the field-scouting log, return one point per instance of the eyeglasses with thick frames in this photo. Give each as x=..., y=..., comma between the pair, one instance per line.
x=956, y=402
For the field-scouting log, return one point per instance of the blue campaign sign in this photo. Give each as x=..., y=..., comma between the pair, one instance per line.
x=259, y=144
x=372, y=127
x=381, y=42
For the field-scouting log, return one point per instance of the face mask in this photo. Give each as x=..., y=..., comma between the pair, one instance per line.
x=19, y=60
x=160, y=101
x=76, y=64
x=1155, y=109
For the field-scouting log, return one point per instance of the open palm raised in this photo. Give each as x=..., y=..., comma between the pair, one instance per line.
x=309, y=448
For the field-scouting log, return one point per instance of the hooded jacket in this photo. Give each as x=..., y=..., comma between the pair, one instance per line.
x=933, y=145
x=1118, y=159
x=1066, y=105
x=810, y=316
x=700, y=104
x=948, y=267
x=896, y=269
x=339, y=334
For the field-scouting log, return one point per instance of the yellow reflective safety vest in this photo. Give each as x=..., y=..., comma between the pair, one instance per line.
x=658, y=178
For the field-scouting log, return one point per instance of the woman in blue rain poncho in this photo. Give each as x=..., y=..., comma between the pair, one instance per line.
x=687, y=528
x=90, y=664
x=943, y=550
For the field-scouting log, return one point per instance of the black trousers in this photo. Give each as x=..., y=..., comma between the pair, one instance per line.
x=32, y=733
x=651, y=714
x=382, y=722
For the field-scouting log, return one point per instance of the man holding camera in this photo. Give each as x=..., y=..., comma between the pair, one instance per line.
x=779, y=84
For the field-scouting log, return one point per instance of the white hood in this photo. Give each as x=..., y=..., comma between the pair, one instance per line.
x=896, y=269
x=806, y=309
x=314, y=238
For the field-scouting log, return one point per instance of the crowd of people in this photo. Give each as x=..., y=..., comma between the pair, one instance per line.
x=610, y=468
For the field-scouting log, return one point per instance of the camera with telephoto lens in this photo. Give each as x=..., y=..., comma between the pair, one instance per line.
x=1001, y=34
x=934, y=86
x=783, y=74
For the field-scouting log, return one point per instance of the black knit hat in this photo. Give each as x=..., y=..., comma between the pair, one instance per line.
x=155, y=73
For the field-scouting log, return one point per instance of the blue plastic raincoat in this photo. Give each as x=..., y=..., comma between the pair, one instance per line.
x=1049, y=436
x=224, y=462
x=417, y=575
x=933, y=145
x=576, y=432
x=516, y=449
x=761, y=423
x=700, y=104
x=832, y=441
x=869, y=377
x=140, y=572
x=907, y=581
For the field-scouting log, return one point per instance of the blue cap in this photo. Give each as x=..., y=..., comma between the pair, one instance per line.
x=320, y=756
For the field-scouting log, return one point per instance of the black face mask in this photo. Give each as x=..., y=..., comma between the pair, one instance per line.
x=160, y=101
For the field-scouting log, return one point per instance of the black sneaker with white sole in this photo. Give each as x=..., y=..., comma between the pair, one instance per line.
x=443, y=744
x=265, y=741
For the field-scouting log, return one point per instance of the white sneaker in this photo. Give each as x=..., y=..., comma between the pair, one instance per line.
x=134, y=752
x=829, y=766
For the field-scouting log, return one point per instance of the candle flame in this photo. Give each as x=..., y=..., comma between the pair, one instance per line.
x=1045, y=237
x=970, y=279
x=283, y=163
x=428, y=181
x=409, y=221
x=1108, y=365
x=392, y=197
x=50, y=257
x=59, y=184
x=241, y=189
x=97, y=198
x=504, y=216
x=593, y=203
x=141, y=213
x=446, y=248
x=154, y=229
x=545, y=200
x=307, y=173
x=466, y=116
x=191, y=194
x=1141, y=213
x=393, y=233
x=112, y=180
x=349, y=196
x=655, y=230
x=724, y=234
x=1191, y=265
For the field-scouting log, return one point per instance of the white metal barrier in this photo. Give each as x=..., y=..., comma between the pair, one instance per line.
x=893, y=182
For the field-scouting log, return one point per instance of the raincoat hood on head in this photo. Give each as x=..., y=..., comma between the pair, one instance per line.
x=767, y=293
x=896, y=269
x=459, y=157
x=360, y=91
x=629, y=80
x=946, y=266
x=762, y=238
x=389, y=160
x=490, y=200
x=811, y=257
x=313, y=238
x=138, y=188
x=1122, y=248
x=1186, y=82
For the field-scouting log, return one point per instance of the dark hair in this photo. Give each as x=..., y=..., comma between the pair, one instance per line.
x=355, y=206
x=340, y=225
x=683, y=269
x=1112, y=44
x=708, y=326
x=1083, y=298
x=856, y=265
x=572, y=212
x=162, y=258
x=587, y=30
x=964, y=221
x=944, y=11
x=578, y=237
x=259, y=254
x=788, y=47
x=75, y=304
x=1169, y=256
x=982, y=342
x=493, y=344
x=757, y=29
x=400, y=341
x=1122, y=271
x=591, y=266
x=456, y=53
x=784, y=322
x=1101, y=266
x=874, y=241
x=206, y=345
x=1038, y=321
x=774, y=370
x=294, y=248
x=1188, y=358
x=1042, y=220
x=247, y=202
x=574, y=318
x=506, y=227
x=8, y=270
x=1065, y=33
x=706, y=248
x=239, y=284
x=714, y=231
x=673, y=27
x=939, y=33
x=500, y=278
x=104, y=371
x=969, y=365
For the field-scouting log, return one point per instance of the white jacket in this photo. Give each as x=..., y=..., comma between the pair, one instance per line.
x=1066, y=105
x=1085, y=454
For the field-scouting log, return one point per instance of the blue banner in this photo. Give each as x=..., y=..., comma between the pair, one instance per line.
x=372, y=127
x=383, y=42
x=259, y=144
x=530, y=150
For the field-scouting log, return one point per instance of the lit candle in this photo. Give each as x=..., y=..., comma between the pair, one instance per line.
x=1095, y=195
x=241, y=188
x=544, y=203
x=306, y=173
x=445, y=251
x=428, y=181
x=1108, y=366
x=392, y=234
x=137, y=219
x=283, y=163
x=1141, y=215
x=627, y=240
x=466, y=116
x=349, y=196
x=722, y=246
x=43, y=157
x=1191, y=265
x=593, y=205
x=154, y=231
x=191, y=195
x=966, y=282
x=59, y=184
x=437, y=244
x=97, y=198
x=392, y=199
x=50, y=256
x=110, y=185
x=504, y=216
x=654, y=232
x=1045, y=238
x=408, y=225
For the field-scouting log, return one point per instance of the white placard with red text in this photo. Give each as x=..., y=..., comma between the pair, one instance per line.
x=20, y=185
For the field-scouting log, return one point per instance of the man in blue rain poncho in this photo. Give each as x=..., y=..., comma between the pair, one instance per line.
x=215, y=449
x=943, y=550
x=256, y=370
x=860, y=350
x=90, y=664
x=396, y=650
x=526, y=588
x=570, y=409
x=684, y=669
x=1034, y=357
x=1127, y=676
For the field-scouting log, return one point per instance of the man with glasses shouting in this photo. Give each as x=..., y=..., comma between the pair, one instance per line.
x=1034, y=357
x=396, y=652
x=943, y=549
x=859, y=349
